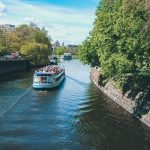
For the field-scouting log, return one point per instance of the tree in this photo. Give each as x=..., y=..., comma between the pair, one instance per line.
x=14, y=42
x=41, y=37
x=60, y=50
x=1, y=42
x=120, y=45
x=37, y=53
x=30, y=41
x=88, y=53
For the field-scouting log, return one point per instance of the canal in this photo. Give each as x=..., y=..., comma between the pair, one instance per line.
x=75, y=116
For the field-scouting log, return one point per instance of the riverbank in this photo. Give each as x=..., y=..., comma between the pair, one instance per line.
x=9, y=66
x=116, y=95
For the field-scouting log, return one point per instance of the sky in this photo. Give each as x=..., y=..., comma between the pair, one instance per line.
x=67, y=21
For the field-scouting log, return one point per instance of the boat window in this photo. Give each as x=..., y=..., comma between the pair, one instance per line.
x=36, y=79
x=43, y=79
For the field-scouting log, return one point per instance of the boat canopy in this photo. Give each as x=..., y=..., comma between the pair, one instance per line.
x=48, y=71
x=43, y=74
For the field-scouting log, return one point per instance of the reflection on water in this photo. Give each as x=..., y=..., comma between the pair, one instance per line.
x=74, y=116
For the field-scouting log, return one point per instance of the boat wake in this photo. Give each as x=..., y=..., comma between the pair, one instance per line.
x=15, y=102
x=42, y=93
x=77, y=81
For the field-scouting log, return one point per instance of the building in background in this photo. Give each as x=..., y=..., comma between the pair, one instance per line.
x=6, y=28
x=73, y=49
x=57, y=44
x=66, y=48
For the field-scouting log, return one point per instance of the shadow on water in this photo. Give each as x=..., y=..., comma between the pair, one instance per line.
x=15, y=102
x=104, y=125
x=12, y=88
x=15, y=75
x=20, y=87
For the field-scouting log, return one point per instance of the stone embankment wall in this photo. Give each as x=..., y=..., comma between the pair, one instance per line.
x=9, y=66
x=115, y=94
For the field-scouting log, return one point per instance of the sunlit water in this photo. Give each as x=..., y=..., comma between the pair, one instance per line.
x=75, y=116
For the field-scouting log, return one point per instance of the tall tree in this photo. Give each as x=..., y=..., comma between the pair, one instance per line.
x=120, y=43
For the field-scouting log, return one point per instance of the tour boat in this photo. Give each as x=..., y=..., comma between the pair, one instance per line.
x=67, y=56
x=48, y=77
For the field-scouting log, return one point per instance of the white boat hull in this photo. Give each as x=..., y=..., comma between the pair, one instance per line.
x=48, y=85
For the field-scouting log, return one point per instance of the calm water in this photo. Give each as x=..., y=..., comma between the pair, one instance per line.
x=75, y=116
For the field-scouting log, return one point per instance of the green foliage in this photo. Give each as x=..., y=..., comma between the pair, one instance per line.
x=60, y=50
x=37, y=53
x=39, y=37
x=3, y=42
x=30, y=41
x=120, y=45
x=87, y=53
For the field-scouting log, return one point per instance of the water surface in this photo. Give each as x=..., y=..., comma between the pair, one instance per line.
x=74, y=116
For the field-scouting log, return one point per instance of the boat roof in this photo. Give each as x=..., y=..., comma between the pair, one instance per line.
x=43, y=73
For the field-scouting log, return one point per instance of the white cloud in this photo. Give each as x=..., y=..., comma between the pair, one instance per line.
x=64, y=24
x=31, y=19
x=2, y=9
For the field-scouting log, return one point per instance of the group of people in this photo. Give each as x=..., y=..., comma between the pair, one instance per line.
x=50, y=69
